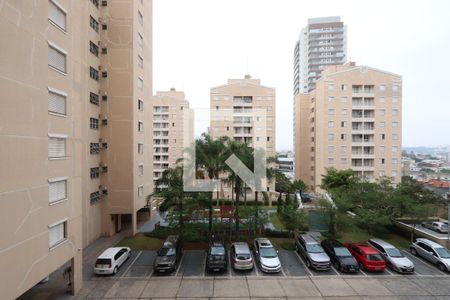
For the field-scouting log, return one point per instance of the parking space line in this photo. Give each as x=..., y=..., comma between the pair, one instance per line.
x=131, y=264
x=204, y=266
x=304, y=264
x=364, y=273
x=150, y=275
x=424, y=262
x=387, y=270
x=282, y=271
x=179, y=264
x=334, y=269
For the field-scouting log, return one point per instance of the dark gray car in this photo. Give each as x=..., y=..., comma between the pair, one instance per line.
x=312, y=252
x=169, y=256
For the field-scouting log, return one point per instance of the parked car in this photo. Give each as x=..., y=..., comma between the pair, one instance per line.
x=267, y=256
x=241, y=258
x=111, y=260
x=216, y=257
x=169, y=255
x=393, y=257
x=368, y=258
x=441, y=227
x=312, y=252
x=340, y=256
x=432, y=252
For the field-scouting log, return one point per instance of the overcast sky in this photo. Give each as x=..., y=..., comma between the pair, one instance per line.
x=199, y=44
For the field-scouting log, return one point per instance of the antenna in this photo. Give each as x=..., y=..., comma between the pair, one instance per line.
x=247, y=66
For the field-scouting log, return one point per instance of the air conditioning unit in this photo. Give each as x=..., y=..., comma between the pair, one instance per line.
x=100, y=68
x=105, y=169
x=104, y=3
x=105, y=74
x=104, y=50
x=104, y=121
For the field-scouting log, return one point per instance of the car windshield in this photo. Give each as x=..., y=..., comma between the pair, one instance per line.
x=343, y=252
x=217, y=250
x=165, y=251
x=443, y=253
x=394, y=252
x=374, y=257
x=314, y=248
x=268, y=252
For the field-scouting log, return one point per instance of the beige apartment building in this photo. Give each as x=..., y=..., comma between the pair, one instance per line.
x=172, y=129
x=75, y=124
x=351, y=120
x=244, y=110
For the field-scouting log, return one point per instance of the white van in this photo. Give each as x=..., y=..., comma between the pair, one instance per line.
x=111, y=259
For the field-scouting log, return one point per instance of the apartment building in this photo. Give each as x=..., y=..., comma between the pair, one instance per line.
x=351, y=120
x=172, y=129
x=244, y=110
x=321, y=43
x=71, y=76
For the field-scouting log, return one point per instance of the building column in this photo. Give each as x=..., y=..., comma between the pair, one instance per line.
x=76, y=276
x=134, y=223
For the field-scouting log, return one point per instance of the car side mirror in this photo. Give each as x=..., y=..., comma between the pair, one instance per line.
x=277, y=251
x=256, y=251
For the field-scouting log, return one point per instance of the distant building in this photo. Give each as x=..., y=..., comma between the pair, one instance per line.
x=351, y=120
x=286, y=166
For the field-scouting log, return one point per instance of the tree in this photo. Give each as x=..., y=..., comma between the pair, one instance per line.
x=334, y=178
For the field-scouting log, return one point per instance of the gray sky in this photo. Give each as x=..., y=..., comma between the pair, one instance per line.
x=199, y=44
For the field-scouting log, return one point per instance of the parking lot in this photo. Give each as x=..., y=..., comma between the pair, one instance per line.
x=192, y=264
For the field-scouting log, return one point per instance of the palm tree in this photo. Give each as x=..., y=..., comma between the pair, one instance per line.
x=170, y=186
x=211, y=156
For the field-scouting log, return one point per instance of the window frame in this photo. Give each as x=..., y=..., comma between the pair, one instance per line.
x=59, y=93
x=65, y=233
x=63, y=10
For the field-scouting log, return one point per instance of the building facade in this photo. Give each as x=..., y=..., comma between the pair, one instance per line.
x=351, y=120
x=244, y=110
x=321, y=43
x=172, y=130
x=71, y=75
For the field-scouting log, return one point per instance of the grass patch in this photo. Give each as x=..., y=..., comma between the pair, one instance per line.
x=283, y=243
x=275, y=220
x=141, y=242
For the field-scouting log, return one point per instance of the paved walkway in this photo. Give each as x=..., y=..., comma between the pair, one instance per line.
x=149, y=226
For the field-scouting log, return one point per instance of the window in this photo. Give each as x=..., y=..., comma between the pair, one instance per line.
x=140, y=126
x=140, y=62
x=331, y=86
x=343, y=124
x=56, y=147
x=394, y=174
x=330, y=124
x=56, y=58
x=394, y=149
x=93, y=123
x=141, y=148
x=140, y=191
x=344, y=112
x=93, y=73
x=331, y=161
x=93, y=23
x=343, y=136
x=343, y=149
x=93, y=48
x=140, y=40
x=57, y=233
x=343, y=87
x=269, y=108
x=330, y=99
x=382, y=112
x=140, y=105
x=382, y=149
x=382, y=136
x=95, y=2
x=330, y=149
x=382, y=161
x=140, y=83
x=268, y=138
x=140, y=18
x=343, y=161
x=57, y=190
x=57, y=102
x=94, y=197
x=95, y=148
x=395, y=112
x=395, y=136
x=382, y=99
x=95, y=172
x=395, y=87
x=344, y=99
x=57, y=15
x=382, y=88
x=141, y=170
x=331, y=136
x=330, y=111
x=395, y=99
x=394, y=124
x=93, y=98
x=382, y=124
x=394, y=161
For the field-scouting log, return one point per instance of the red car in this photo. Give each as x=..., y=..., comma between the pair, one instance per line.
x=369, y=259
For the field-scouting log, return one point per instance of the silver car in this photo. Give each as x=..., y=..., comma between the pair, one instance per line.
x=267, y=256
x=241, y=258
x=393, y=257
x=312, y=252
x=433, y=252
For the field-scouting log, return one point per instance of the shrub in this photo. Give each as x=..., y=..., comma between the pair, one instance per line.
x=288, y=246
x=277, y=233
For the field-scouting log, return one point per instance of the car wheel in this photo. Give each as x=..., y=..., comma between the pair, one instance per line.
x=413, y=251
x=308, y=263
x=442, y=267
x=115, y=271
x=361, y=266
x=337, y=265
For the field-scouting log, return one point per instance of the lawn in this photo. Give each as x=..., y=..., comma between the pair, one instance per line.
x=141, y=242
x=275, y=220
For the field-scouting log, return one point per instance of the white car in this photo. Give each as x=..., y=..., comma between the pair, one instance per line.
x=441, y=227
x=393, y=257
x=267, y=256
x=111, y=260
